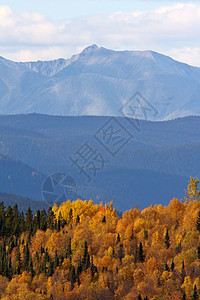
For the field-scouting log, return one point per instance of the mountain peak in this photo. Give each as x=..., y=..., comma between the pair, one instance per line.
x=90, y=48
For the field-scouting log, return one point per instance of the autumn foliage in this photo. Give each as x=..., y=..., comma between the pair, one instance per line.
x=82, y=250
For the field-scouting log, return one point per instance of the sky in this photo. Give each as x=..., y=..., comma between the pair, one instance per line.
x=50, y=29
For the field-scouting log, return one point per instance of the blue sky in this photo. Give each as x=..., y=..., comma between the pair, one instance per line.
x=49, y=29
x=61, y=9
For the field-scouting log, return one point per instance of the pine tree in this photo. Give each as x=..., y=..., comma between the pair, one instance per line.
x=9, y=221
x=26, y=257
x=146, y=298
x=195, y=294
x=141, y=256
x=50, y=269
x=118, y=239
x=43, y=220
x=79, y=269
x=56, y=260
x=72, y=277
x=197, y=224
x=69, y=249
x=166, y=240
x=28, y=220
x=139, y=297
x=184, y=296
x=172, y=266
x=77, y=219
x=104, y=219
x=166, y=267
x=198, y=252
x=183, y=272
x=51, y=219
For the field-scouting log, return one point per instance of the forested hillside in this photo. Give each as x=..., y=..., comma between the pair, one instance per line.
x=82, y=250
x=163, y=154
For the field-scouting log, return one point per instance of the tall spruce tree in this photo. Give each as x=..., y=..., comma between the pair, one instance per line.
x=197, y=224
x=141, y=255
x=195, y=294
x=166, y=239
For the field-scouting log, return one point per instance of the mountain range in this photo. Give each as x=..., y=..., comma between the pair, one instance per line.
x=153, y=167
x=101, y=82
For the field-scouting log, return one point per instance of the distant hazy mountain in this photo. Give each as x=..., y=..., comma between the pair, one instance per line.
x=153, y=167
x=18, y=178
x=99, y=81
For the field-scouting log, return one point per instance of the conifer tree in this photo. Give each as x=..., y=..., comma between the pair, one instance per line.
x=183, y=272
x=118, y=239
x=69, y=249
x=70, y=215
x=197, y=224
x=56, y=260
x=104, y=219
x=26, y=257
x=43, y=220
x=72, y=277
x=141, y=256
x=172, y=266
x=28, y=220
x=198, y=252
x=77, y=219
x=184, y=296
x=50, y=269
x=50, y=219
x=166, y=267
x=139, y=297
x=166, y=240
x=195, y=294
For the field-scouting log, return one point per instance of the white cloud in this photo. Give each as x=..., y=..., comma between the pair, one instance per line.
x=173, y=30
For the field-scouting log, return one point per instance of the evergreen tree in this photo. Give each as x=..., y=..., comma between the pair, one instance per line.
x=197, y=224
x=145, y=298
x=50, y=269
x=72, y=277
x=118, y=239
x=172, y=266
x=22, y=226
x=77, y=219
x=28, y=220
x=184, y=296
x=198, y=252
x=36, y=221
x=70, y=215
x=30, y=267
x=104, y=219
x=85, y=253
x=166, y=240
x=16, y=225
x=141, y=255
x=139, y=297
x=183, y=272
x=69, y=249
x=9, y=221
x=51, y=219
x=166, y=267
x=43, y=220
x=195, y=294
x=79, y=269
x=56, y=260
x=26, y=257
